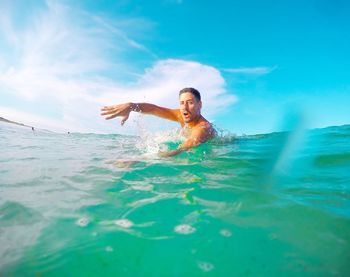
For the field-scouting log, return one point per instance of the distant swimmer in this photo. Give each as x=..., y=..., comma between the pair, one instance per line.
x=197, y=129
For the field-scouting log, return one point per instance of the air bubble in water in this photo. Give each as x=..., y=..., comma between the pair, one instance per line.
x=225, y=233
x=83, y=222
x=205, y=266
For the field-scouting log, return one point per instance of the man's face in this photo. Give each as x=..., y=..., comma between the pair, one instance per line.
x=190, y=107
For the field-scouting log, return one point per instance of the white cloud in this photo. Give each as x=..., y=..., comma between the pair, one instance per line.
x=66, y=61
x=163, y=81
x=250, y=70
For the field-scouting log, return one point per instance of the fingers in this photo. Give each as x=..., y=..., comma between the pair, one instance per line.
x=110, y=117
x=105, y=108
x=125, y=118
x=116, y=110
x=111, y=111
x=107, y=113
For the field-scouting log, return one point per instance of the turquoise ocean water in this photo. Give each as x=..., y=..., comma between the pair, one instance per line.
x=86, y=205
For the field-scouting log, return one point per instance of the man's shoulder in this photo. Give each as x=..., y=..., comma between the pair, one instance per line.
x=204, y=124
x=206, y=128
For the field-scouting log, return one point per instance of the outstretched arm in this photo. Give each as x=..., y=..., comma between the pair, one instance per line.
x=123, y=110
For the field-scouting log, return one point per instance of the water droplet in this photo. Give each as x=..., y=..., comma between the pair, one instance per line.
x=109, y=249
x=124, y=223
x=185, y=229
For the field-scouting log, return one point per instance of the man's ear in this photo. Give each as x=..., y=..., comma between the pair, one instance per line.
x=200, y=104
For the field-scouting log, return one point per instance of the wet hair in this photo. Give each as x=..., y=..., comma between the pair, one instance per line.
x=195, y=93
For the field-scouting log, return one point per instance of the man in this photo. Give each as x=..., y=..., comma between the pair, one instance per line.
x=188, y=115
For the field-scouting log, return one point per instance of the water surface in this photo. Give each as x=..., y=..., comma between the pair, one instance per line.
x=88, y=204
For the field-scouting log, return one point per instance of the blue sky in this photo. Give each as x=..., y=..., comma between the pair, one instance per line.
x=253, y=61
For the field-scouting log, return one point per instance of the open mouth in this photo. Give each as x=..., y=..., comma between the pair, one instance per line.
x=186, y=114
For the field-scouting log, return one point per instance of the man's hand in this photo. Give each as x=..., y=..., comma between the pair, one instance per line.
x=166, y=154
x=122, y=110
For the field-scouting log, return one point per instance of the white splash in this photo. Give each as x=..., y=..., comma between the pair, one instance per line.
x=124, y=223
x=184, y=229
x=83, y=222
